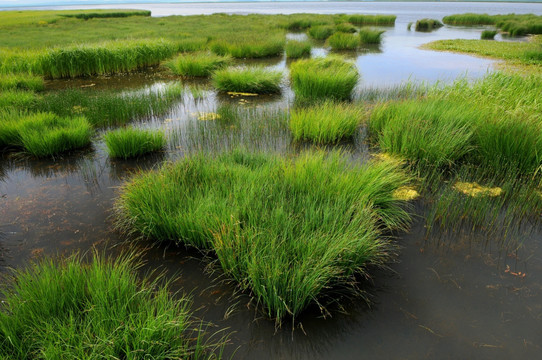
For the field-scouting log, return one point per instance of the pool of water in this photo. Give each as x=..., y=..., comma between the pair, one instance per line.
x=451, y=294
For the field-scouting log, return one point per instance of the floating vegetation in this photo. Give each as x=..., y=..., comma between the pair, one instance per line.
x=71, y=309
x=199, y=64
x=328, y=122
x=364, y=20
x=428, y=25
x=258, y=80
x=406, y=193
x=315, y=219
x=130, y=142
x=343, y=41
x=323, y=78
x=297, y=49
x=208, y=116
x=238, y=94
x=370, y=36
x=473, y=189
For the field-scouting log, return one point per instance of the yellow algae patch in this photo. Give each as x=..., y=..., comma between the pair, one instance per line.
x=405, y=193
x=78, y=109
x=208, y=116
x=234, y=93
x=473, y=189
x=388, y=157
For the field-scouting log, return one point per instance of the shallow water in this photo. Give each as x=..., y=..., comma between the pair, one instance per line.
x=450, y=295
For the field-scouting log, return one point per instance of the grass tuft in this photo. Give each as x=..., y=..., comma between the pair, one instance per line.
x=364, y=20
x=488, y=34
x=343, y=41
x=248, y=48
x=199, y=64
x=370, y=36
x=297, y=49
x=428, y=25
x=321, y=32
x=130, y=142
x=258, y=80
x=21, y=82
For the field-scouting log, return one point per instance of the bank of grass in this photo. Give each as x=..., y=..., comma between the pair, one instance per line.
x=488, y=34
x=343, y=41
x=258, y=80
x=427, y=25
x=321, y=32
x=249, y=47
x=44, y=134
x=21, y=82
x=513, y=24
x=285, y=229
x=130, y=142
x=17, y=99
x=106, y=108
x=328, y=122
x=198, y=64
x=515, y=52
x=107, y=14
x=365, y=20
x=323, y=78
x=297, y=49
x=370, y=36
x=469, y=19
x=73, y=309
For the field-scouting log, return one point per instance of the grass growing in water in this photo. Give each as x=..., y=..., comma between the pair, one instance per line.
x=199, y=64
x=21, y=82
x=469, y=19
x=343, y=41
x=321, y=32
x=256, y=80
x=427, y=25
x=328, y=122
x=129, y=142
x=284, y=229
x=107, y=14
x=514, y=24
x=297, y=49
x=370, y=36
x=346, y=28
x=364, y=20
x=322, y=78
x=488, y=34
x=69, y=309
x=249, y=47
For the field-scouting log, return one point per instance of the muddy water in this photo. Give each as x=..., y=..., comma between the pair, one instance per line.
x=451, y=295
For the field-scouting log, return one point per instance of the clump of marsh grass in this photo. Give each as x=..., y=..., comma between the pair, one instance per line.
x=246, y=48
x=199, y=64
x=21, y=82
x=130, y=142
x=314, y=219
x=469, y=19
x=17, y=99
x=364, y=20
x=343, y=41
x=321, y=32
x=328, y=122
x=488, y=34
x=370, y=36
x=108, y=14
x=71, y=309
x=346, y=28
x=258, y=80
x=428, y=25
x=322, y=78
x=297, y=49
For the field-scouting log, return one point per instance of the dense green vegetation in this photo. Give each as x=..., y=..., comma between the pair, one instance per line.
x=328, y=122
x=322, y=78
x=70, y=309
x=364, y=20
x=130, y=142
x=257, y=80
x=298, y=49
x=108, y=14
x=427, y=25
x=198, y=64
x=370, y=36
x=514, y=24
x=21, y=82
x=488, y=34
x=290, y=212
x=321, y=32
x=249, y=47
x=343, y=41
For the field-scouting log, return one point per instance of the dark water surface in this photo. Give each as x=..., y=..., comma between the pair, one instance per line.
x=454, y=295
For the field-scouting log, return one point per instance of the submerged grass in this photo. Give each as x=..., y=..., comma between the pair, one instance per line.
x=297, y=49
x=70, y=309
x=322, y=78
x=328, y=122
x=199, y=64
x=343, y=41
x=130, y=142
x=370, y=36
x=258, y=80
x=283, y=229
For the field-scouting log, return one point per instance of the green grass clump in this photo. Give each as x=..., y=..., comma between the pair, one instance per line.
x=370, y=36
x=248, y=48
x=321, y=32
x=284, y=229
x=429, y=133
x=328, y=122
x=322, y=78
x=106, y=108
x=346, y=28
x=17, y=99
x=363, y=20
x=21, y=82
x=44, y=134
x=129, y=142
x=297, y=49
x=488, y=34
x=469, y=19
x=107, y=58
x=343, y=41
x=427, y=25
x=199, y=64
x=257, y=80
x=108, y=14
x=70, y=309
